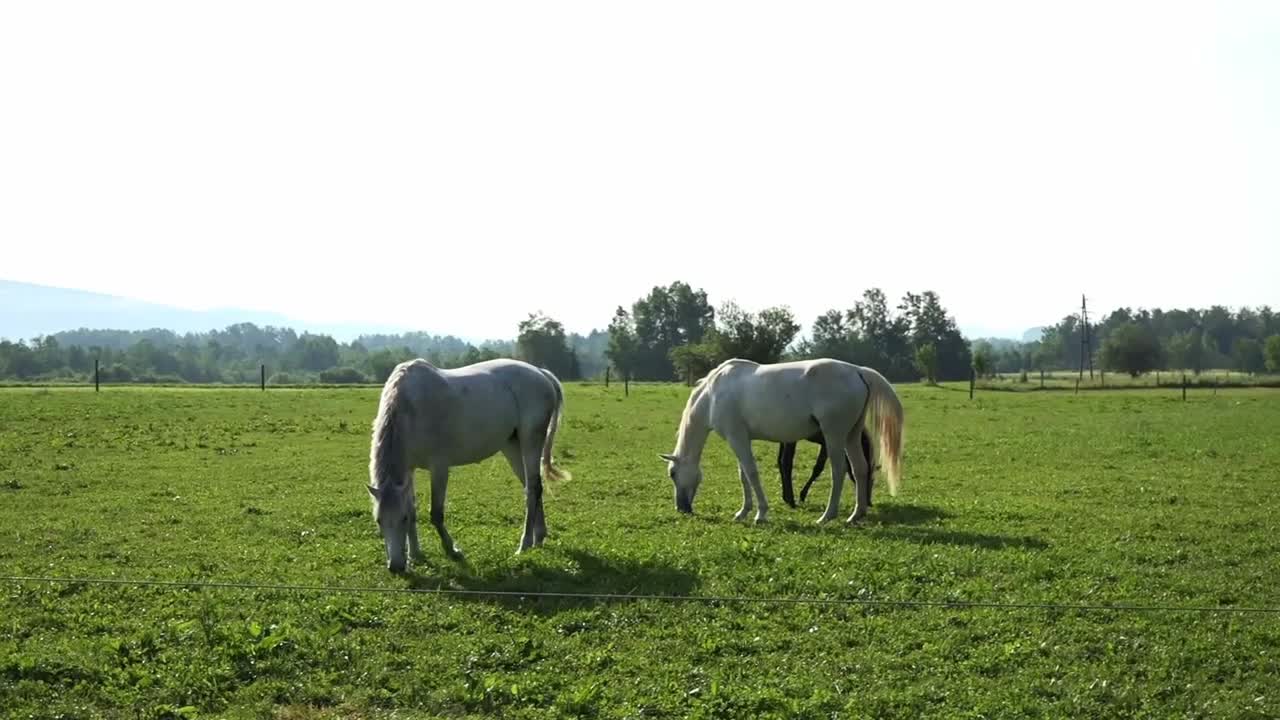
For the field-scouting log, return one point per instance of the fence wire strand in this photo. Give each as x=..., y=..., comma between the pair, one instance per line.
x=634, y=597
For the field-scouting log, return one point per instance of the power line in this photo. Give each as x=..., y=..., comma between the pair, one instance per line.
x=708, y=599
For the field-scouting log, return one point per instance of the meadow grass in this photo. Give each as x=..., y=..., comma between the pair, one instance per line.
x=1098, y=499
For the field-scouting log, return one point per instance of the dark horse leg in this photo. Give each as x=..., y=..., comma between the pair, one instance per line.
x=821, y=465
x=786, y=458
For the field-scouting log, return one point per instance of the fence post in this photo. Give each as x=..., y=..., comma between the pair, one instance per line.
x=1041, y=378
x=1077, y=386
x=1184, y=387
x=973, y=379
x=626, y=384
x=264, y=377
x=96, y=386
x=606, y=377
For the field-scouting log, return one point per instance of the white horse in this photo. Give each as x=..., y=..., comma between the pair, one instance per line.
x=435, y=419
x=787, y=402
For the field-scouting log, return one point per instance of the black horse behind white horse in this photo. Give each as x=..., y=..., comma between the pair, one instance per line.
x=787, y=458
x=741, y=401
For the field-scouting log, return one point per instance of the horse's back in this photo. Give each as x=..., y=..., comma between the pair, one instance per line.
x=780, y=401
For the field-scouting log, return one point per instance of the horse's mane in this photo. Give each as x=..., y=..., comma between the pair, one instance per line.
x=699, y=389
x=386, y=453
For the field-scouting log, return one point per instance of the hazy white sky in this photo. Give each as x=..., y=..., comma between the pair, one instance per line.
x=443, y=165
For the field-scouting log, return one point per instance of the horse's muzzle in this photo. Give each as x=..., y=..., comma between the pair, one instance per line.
x=683, y=504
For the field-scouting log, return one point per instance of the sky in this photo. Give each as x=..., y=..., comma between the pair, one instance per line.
x=445, y=165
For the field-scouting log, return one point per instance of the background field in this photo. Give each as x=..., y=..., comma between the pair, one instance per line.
x=1102, y=498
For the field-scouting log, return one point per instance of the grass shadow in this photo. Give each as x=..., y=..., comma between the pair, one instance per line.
x=889, y=513
x=959, y=538
x=897, y=521
x=586, y=573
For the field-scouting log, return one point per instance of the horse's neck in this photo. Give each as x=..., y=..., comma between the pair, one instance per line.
x=695, y=426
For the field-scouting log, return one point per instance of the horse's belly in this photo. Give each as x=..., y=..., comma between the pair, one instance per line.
x=782, y=429
x=481, y=443
x=778, y=417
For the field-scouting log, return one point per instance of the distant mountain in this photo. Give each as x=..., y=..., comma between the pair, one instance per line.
x=980, y=332
x=28, y=310
x=1033, y=335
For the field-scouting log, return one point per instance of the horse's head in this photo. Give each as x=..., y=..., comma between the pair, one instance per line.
x=685, y=476
x=392, y=506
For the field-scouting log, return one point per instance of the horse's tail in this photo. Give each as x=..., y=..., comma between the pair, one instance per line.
x=886, y=414
x=549, y=470
x=388, y=458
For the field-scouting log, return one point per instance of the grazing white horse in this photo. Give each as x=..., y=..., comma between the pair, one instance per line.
x=435, y=419
x=787, y=402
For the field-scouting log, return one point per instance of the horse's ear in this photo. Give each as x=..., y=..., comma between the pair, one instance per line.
x=668, y=458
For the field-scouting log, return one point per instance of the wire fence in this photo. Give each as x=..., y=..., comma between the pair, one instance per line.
x=634, y=597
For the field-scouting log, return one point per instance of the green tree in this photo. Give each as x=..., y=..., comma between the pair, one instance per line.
x=983, y=359
x=624, y=349
x=310, y=352
x=1272, y=353
x=668, y=318
x=542, y=342
x=930, y=324
x=761, y=337
x=382, y=362
x=1248, y=357
x=694, y=361
x=886, y=341
x=1132, y=348
x=927, y=362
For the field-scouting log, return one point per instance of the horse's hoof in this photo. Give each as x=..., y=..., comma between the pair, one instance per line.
x=741, y=515
x=825, y=519
x=761, y=520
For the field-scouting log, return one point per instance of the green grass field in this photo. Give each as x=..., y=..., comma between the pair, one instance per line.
x=1131, y=498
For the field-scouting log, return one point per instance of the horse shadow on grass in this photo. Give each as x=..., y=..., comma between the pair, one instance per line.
x=576, y=578
x=917, y=524
x=959, y=538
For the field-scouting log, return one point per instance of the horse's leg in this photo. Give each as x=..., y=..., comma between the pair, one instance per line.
x=786, y=459
x=534, y=525
x=514, y=457
x=741, y=445
x=415, y=550
x=746, y=494
x=837, y=478
x=440, y=481
x=817, y=470
x=861, y=474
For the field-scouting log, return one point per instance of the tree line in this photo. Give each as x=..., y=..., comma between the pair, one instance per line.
x=1141, y=341
x=671, y=333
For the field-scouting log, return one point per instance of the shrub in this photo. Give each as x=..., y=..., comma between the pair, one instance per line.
x=342, y=376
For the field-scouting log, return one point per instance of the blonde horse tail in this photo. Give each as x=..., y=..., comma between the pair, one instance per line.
x=887, y=417
x=550, y=472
